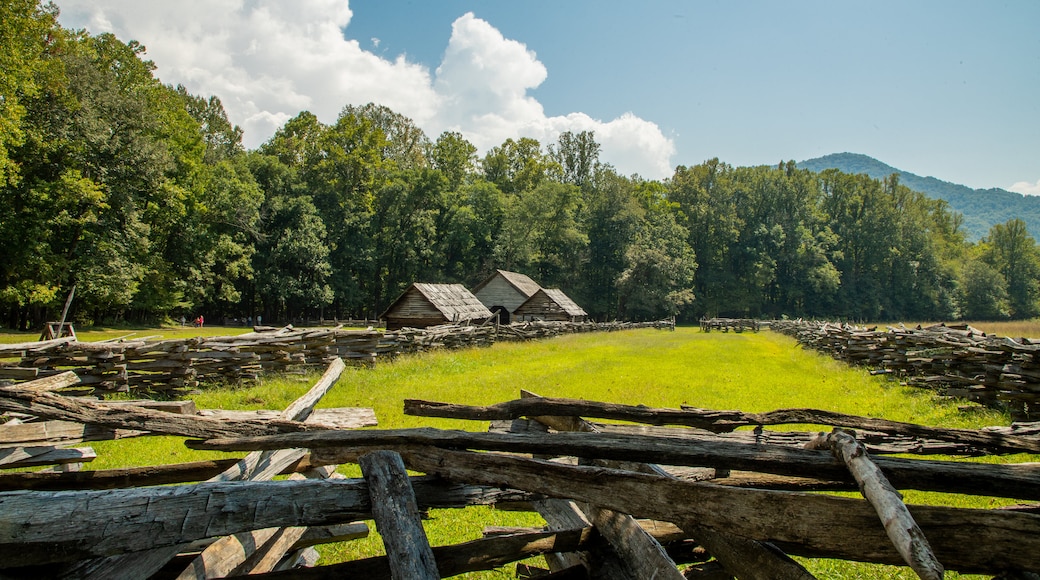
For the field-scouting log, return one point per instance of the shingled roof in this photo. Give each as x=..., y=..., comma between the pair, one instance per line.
x=454, y=301
x=523, y=284
x=550, y=304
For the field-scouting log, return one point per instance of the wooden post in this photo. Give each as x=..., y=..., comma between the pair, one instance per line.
x=397, y=516
x=900, y=526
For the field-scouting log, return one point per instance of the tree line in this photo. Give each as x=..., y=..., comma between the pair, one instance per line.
x=142, y=196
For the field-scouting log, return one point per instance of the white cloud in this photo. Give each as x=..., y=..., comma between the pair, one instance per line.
x=267, y=60
x=1026, y=188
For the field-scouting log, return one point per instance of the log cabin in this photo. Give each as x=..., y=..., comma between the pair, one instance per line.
x=550, y=304
x=423, y=305
x=503, y=292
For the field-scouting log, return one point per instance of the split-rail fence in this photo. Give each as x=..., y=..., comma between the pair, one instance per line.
x=652, y=493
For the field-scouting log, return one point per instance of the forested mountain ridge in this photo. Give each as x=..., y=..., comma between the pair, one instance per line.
x=981, y=208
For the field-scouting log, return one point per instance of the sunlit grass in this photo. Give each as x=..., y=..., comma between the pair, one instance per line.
x=749, y=371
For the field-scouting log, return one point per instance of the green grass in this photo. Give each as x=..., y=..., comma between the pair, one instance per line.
x=749, y=372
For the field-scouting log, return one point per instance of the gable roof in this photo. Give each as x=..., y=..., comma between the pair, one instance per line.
x=521, y=282
x=565, y=302
x=554, y=295
x=454, y=301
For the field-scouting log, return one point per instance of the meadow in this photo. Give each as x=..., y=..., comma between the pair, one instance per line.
x=749, y=371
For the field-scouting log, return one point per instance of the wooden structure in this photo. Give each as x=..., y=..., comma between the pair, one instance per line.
x=550, y=304
x=633, y=500
x=727, y=324
x=173, y=367
x=503, y=292
x=958, y=361
x=423, y=305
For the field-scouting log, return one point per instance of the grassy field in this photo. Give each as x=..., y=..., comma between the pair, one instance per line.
x=750, y=372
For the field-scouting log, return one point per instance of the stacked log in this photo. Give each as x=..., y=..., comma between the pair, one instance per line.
x=958, y=361
x=174, y=367
x=728, y=324
x=536, y=330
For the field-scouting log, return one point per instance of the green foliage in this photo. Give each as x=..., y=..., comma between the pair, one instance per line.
x=142, y=196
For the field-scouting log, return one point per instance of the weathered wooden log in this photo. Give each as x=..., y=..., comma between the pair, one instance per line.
x=337, y=418
x=186, y=407
x=257, y=466
x=15, y=457
x=51, y=406
x=396, y=515
x=115, y=478
x=1016, y=481
x=38, y=527
x=58, y=433
x=646, y=558
x=716, y=421
x=967, y=540
x=473, y=556
x=640, y=553
x=876, y=443
x=900, y=526
x=51, y=383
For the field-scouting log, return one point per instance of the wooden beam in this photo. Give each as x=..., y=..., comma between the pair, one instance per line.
x=13, y=457
x=904, y=532
x=397, y=518
x=48, y=384
x=51, y=406
x=58, y=432
x=802, y=524
x=716, y=421
x=336, y=418
x=257, y=466
x=1020, y=481
x=473, y=556
x=39, y=527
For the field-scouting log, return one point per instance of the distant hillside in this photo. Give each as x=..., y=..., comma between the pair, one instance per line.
x=982, y=208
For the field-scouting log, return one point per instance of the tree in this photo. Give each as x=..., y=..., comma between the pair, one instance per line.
x=659, y=269
x=518, y=166
x=455, y=157
x=405, y=143
x=26, y=41
x=540, y=233
x=1012, y=251
x=578, y=156
x=983, y=292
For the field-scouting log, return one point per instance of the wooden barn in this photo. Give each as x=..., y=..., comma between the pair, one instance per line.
x=550, y=304
x=503, y=292
x=423, y=305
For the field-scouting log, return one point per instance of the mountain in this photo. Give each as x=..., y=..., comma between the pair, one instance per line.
x=981, y=208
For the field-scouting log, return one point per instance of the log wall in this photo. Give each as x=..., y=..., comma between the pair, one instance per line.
x=958, y=361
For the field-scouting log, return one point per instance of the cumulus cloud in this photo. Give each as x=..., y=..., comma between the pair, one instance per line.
x=267, y=60
x=1026, y=188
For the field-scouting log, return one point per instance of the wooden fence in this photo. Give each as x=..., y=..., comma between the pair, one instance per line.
x=669, y=494
x=959, y=361
x=728, y=324
x=174, y=367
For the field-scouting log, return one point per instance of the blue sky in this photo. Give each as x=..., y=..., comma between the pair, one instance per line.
x=948, y=89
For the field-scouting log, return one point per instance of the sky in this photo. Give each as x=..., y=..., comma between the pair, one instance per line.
x=942, y=88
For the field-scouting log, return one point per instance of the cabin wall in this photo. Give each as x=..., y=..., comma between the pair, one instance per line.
x=499, y=292
x=413, y=310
